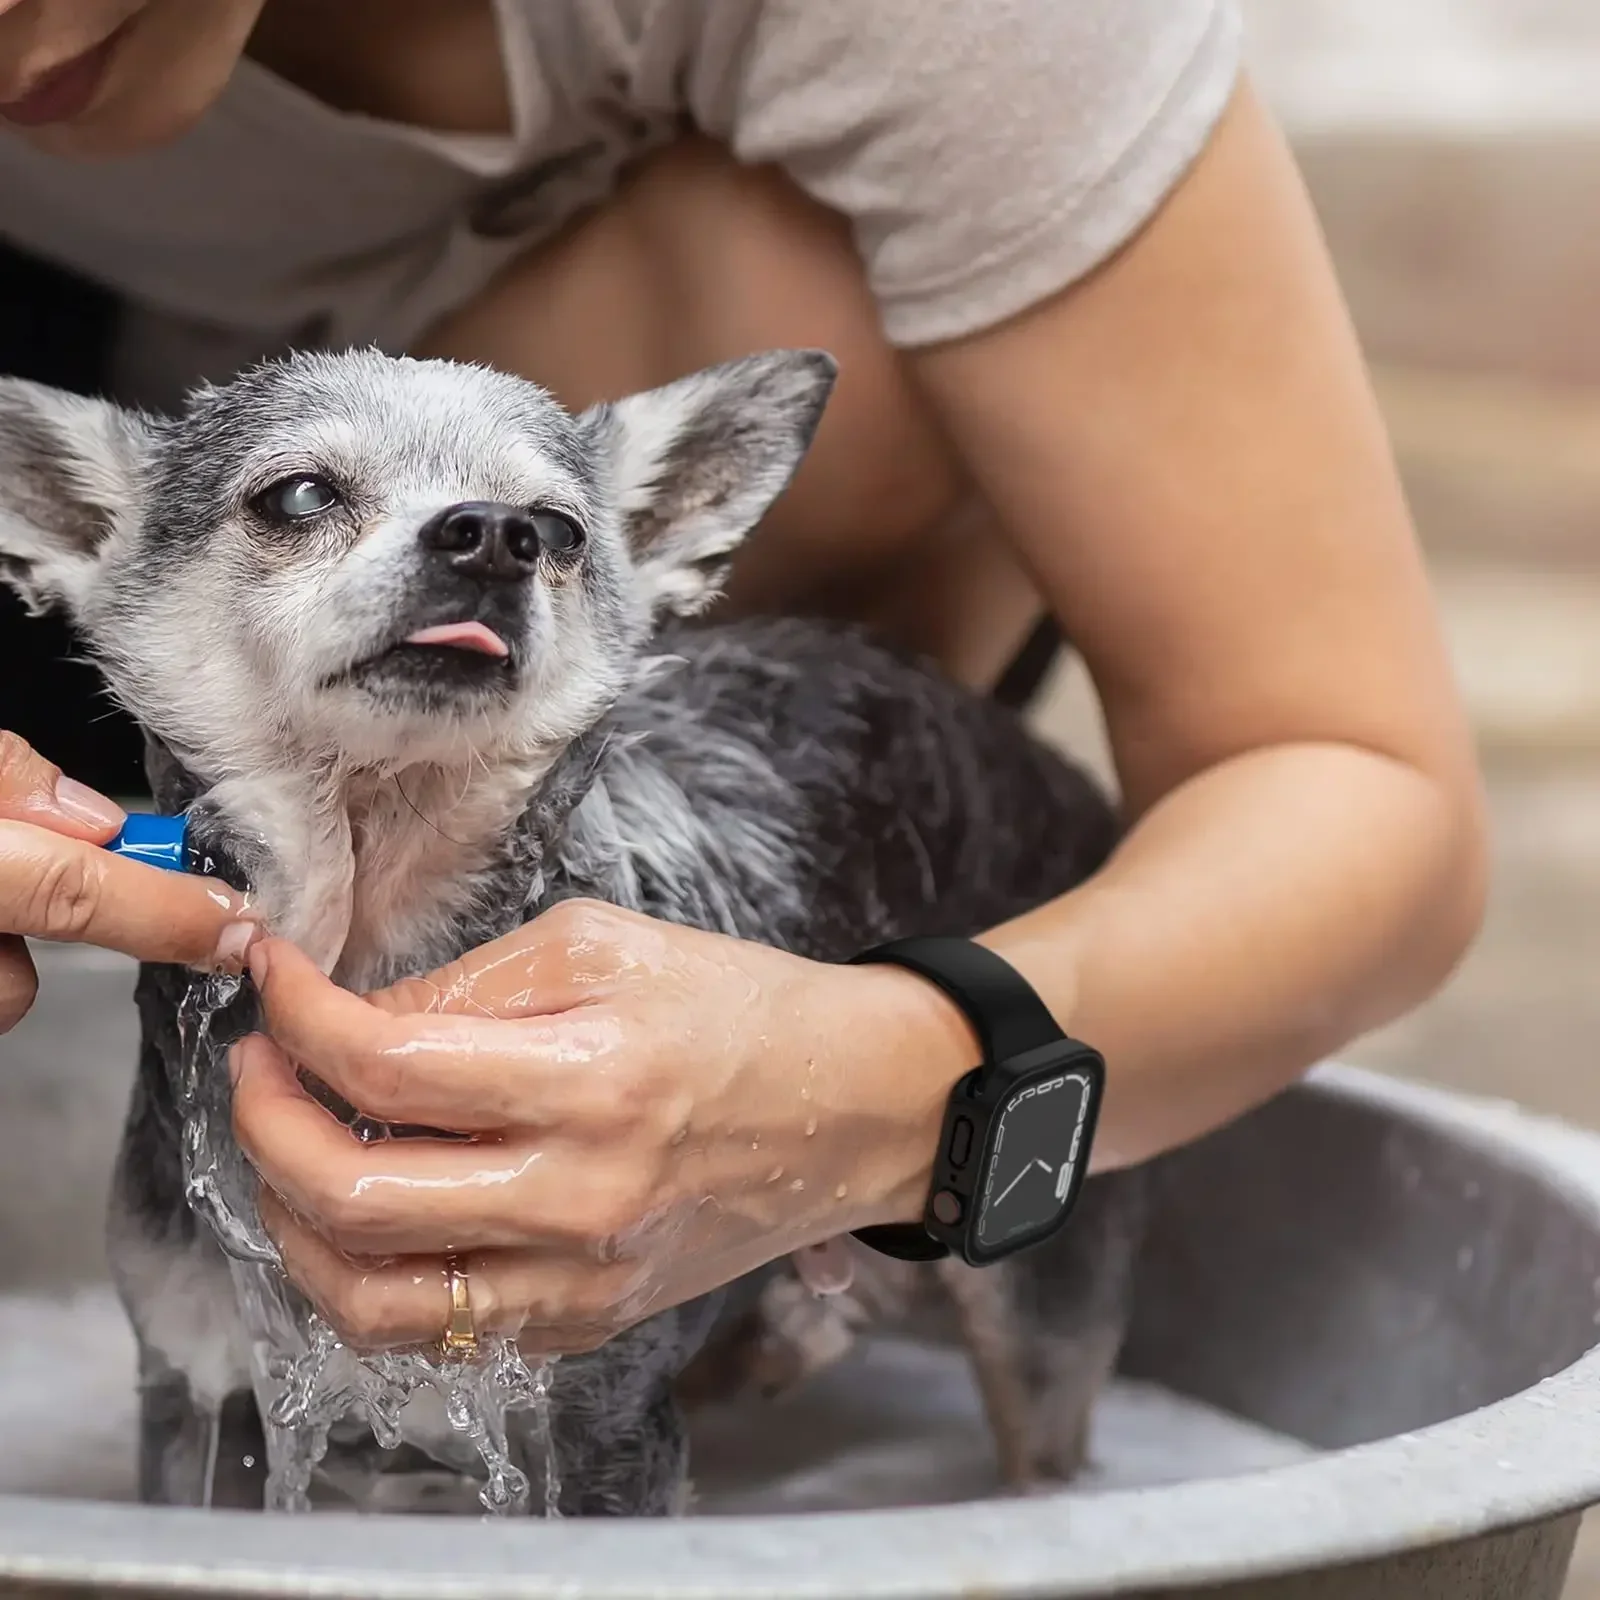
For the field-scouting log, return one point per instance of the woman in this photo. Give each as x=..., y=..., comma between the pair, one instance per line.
x=1094, y=364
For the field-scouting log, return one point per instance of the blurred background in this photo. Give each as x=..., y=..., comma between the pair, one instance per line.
x=1453, y=152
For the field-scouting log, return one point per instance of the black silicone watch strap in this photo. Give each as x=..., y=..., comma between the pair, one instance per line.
x=1005, y=1013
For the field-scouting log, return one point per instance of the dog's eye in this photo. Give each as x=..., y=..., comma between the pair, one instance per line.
x=296, y=497
x=558, y=534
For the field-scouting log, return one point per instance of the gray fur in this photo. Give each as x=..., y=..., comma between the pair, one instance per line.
x=67, y=466
x=785, y=781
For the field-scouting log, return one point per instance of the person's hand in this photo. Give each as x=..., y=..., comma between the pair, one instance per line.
x=56, y=883
x=106, y=77
x=653, y=1111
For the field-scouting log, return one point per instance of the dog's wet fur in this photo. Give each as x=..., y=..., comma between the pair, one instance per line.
x=245, y=574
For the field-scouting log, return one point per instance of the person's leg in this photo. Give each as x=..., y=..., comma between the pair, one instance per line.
x=698, y=260
x=56, y=329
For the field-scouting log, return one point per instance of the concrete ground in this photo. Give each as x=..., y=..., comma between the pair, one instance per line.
x=1505, y=481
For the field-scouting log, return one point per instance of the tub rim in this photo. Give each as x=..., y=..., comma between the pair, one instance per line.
x=1530, y=1458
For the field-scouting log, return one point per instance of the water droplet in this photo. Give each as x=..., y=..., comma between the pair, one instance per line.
x=775, y=1174
x=797, y=1187
x=811, y=1127
x=841, y=1192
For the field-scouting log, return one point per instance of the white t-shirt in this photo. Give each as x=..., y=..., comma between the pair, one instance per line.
x=986, y=153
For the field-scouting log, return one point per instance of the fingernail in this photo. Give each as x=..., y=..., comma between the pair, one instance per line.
x=83, y=804
x=233, y=946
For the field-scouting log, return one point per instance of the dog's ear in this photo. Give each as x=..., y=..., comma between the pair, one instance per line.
x=70, y=472
x=695, y=465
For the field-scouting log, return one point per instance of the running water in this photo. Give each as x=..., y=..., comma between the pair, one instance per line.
x=307, y=1381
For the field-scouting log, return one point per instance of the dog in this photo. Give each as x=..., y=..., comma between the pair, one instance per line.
x=424, y=655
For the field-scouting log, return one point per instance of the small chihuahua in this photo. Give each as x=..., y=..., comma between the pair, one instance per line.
x=418, y=651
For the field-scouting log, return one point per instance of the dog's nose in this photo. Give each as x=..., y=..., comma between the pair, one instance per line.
x=484, y=539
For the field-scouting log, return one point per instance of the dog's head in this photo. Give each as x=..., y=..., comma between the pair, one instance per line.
x=372, y=562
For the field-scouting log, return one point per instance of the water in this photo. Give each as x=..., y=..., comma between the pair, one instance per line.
x=308, y=1383
x=893, y=1424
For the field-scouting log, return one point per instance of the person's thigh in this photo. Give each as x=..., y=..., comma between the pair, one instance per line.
x=698, y=260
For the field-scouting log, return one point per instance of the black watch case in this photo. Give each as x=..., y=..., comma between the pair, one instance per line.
x=1014, y=1151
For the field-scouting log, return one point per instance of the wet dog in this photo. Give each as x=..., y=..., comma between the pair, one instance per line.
x=420, y=652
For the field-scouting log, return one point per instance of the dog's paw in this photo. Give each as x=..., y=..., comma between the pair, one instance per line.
x=826, y=1268
x=1037, y=1488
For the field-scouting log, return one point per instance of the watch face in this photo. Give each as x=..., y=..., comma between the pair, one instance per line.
x=1038, y=1140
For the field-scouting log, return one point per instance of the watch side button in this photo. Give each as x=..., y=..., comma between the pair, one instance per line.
x=947, y=1208
x=960, y=1142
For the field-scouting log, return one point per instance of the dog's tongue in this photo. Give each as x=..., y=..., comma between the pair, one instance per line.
x=463, y=636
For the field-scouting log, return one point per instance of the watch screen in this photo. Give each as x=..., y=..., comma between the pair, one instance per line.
x=1037, y=1140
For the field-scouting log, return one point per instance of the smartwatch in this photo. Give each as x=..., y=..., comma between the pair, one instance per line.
x=1017, y=1129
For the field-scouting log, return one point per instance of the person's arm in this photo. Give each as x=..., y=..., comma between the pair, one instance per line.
x=1186, y=450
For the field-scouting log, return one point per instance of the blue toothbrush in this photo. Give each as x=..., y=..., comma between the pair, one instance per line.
x=156, y=841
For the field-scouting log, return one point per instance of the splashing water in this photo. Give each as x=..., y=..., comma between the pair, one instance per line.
x=307, y=1381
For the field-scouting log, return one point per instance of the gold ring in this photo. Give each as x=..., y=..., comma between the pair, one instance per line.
x=460, y=1342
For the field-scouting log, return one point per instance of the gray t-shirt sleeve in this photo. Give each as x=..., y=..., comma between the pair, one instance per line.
x=987, y=152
